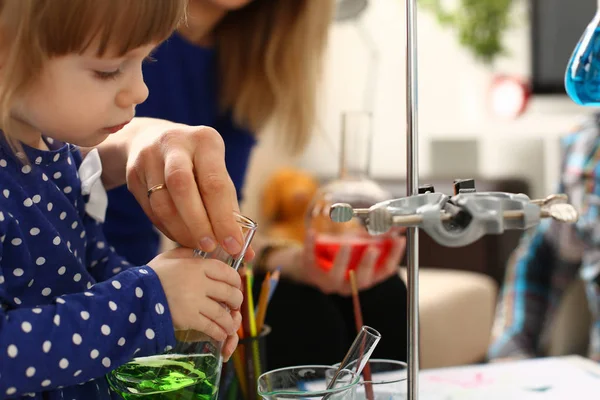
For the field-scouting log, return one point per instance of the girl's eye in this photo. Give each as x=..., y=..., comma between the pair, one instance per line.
x=106, y=75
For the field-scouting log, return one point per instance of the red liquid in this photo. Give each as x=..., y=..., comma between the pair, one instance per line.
x=327, y=247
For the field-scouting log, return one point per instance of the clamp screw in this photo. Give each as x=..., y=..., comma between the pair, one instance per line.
x=428, y=188
x=464, y=186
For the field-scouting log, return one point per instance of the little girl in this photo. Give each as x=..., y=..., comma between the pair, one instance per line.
x=72, y=310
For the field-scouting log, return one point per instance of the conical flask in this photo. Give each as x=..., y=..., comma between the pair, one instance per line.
x=191, y=370
x=352, y=186
x=582, y=78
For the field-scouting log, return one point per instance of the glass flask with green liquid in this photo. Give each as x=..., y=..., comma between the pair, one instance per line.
x=171, y=376
x=191, y=370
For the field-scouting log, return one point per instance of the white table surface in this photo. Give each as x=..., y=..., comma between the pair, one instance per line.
x=559, y=378
x=556, y=378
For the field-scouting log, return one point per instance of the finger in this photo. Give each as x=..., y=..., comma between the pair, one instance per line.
x=207, y=325
x=219, y=314
x=383, y=274
x=398, y=230
x=181, y=184
x=217, y=190
x=136, y=184
x=227, y=294
x=169, y=222
x=221, y=272
x=337, y=273
x=309, y=248
x=366, y=267
x=163, y=207
x=310, y=272
x=250, y=254
x=237, y=319
x=397, y=251
x=392, y=261
x=229, y=346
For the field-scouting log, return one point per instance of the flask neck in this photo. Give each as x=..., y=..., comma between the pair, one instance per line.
x=355, y=146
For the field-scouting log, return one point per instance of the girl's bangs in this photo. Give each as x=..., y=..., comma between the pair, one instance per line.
x=114, y=26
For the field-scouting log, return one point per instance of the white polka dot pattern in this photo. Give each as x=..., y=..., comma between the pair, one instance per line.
x=74, y=319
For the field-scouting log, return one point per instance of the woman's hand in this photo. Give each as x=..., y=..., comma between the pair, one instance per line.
x=195, y=207
x=303, y=267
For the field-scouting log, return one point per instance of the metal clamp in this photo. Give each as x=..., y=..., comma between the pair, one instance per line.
x=381, y=217
x=461, y=219
x=470, y=216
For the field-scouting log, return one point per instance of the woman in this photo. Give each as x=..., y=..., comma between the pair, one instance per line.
x=236, y=66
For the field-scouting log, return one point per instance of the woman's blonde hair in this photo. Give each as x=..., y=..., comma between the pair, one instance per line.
x=270, y=58
x=33, y=31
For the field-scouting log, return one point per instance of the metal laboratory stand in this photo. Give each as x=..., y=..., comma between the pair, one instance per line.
x=412, y=187
x=453, y=221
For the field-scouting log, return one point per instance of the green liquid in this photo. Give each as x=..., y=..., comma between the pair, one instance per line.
x=168, y=377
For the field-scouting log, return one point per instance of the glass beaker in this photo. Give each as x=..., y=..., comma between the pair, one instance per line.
x=318, y=382
x=582, y=78
x=388, y=380
x=192, y=369
x=307, y=382
x=352, y=186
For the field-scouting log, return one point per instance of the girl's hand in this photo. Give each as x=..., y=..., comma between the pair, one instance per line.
x=231, y=342
x=196, y=288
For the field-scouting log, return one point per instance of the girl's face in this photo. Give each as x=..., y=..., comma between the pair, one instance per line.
x=82, y=98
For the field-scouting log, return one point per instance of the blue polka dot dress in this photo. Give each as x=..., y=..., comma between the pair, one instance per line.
x=72, y=310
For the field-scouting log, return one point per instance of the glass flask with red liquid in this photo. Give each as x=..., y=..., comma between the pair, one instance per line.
x=352, y=186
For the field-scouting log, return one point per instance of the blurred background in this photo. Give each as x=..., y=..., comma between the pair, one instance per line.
x=492, y=106
x=461, y=132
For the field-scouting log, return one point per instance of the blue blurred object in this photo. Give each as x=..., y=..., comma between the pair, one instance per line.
x=582, y=78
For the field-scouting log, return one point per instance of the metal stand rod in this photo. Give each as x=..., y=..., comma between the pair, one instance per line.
x=412, y=188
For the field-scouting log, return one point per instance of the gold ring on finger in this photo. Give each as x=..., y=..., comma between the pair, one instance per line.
x=156, y=188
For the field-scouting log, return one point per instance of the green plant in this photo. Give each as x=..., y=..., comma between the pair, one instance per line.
x=480, y=24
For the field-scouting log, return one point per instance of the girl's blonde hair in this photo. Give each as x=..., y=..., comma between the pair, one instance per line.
x=33, y=31
x=270, y=58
